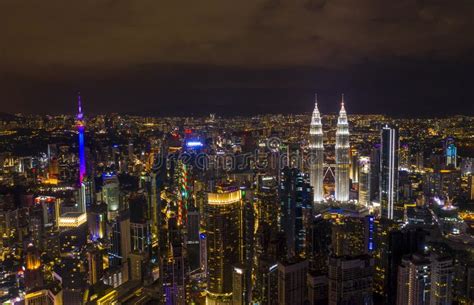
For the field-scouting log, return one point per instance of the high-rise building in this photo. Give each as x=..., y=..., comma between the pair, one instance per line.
x=354, y=168
x=389, y=172
x=292, y=276
x=295, y=202
x=222, y=236
x=33, y=274
x=375, y=172
x=442, y=273
x=342, y=156
x=414, y=281
x=240, y=294
x=111, y=194
x=391, y=245
x=94, y=254
x=364, y=181
x=350, y=280
x=48, y=295
x=451, y=153
x=316, y=155
x=121, y=240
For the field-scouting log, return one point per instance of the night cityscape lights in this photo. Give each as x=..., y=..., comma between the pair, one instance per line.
x=274, y=209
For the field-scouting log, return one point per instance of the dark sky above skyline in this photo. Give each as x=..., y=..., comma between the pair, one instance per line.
x=237, y=57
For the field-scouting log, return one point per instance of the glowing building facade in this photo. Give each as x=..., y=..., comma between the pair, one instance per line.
x=81, y=129
x=364, y=181
x=223, y=230
x=317, y=155
x=342, y=156
x=389, y=171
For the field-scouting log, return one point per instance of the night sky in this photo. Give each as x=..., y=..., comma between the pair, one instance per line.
x=413, y=58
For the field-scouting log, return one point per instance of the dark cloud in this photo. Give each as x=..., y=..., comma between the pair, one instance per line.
x=58, y=45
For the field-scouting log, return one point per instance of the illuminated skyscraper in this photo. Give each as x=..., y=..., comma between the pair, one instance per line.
x=81, y=129
x=342, y=156
x=33, y=273
x=389, y=171
x=222, y=229
x=414, y=281
x=111, y=194
x=317, y=155
x=451, y=152
x=364, y=181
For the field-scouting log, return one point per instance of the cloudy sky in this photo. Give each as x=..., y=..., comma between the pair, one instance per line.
x=194, y=57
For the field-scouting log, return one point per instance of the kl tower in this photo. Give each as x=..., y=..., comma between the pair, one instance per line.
x=81, y=128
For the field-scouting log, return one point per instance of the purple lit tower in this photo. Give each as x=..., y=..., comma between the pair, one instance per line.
x=81, y=128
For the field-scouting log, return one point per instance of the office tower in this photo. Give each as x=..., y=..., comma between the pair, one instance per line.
x=222, y=226
x=121, y=240
x=350, y=280
x=470, y=187
x=354, y=168
x=295, y=202
x=111, y=194
x=73, y=233
x=364, y=181
x=267, y=200
x=81, y=130
x=319, y=244
x=342, y=156
x=141, y=236
x=405, y=162
x=174, y=279
x=33, y=273
x=442, y=182
x=391, y=245
x=414, y=281
x=71, y=273
x=350, y=235
x=96, y=221
x=240, y=288
x=51, y=294
x=316, y=155
x=82, y=199
x=95, y=264
x=89, y=192
x=317, y=288
x=137, y=265
x=192, y=237
x=375, y=172
x=442, y=273
x=292, y=282
x=451, y=153
x=389, y=172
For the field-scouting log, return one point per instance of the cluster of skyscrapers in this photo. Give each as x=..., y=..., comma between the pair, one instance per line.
x=210, y=211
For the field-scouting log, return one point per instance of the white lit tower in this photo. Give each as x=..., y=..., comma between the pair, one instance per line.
x=342, y=156
x=316, y=154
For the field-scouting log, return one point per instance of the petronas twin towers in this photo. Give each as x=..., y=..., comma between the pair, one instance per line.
x=317, y=156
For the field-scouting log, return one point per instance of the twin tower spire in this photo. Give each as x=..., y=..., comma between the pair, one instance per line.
x=316, y=159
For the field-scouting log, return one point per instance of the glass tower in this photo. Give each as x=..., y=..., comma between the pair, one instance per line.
x=389, y=170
